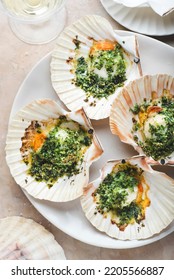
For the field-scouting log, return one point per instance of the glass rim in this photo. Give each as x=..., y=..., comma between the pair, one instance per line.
x=32, y=20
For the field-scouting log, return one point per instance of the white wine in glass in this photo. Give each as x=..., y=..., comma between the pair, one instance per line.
x=35, y=21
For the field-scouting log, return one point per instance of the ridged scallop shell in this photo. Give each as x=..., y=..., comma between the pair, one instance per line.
x=146, y=88
x=87, y=30
x=158, y=215
x=65, y=189
x=24, y=239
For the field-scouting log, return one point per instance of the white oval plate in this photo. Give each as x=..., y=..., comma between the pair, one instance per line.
x=143, y=19
x=156, y=57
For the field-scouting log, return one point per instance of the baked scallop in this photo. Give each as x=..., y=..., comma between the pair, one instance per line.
x=143, y=116
x=129, y=200
x=49, y=151
x=91, y=63
x=24, y=239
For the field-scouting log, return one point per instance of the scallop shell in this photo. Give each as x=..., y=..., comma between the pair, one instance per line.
x=146, y=88
x=65, y=189
x=87, y=30
x=24, y=239
x=158, y=215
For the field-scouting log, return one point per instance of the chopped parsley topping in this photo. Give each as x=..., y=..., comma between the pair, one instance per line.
x=112, y=194
x=129, y=212
x=88, y=72
x=139, y=108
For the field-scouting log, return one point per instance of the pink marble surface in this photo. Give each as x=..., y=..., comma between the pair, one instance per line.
x=16, y=60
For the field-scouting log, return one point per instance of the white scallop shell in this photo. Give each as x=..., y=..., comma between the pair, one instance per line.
x=158, y=215
x=97, y=28
x=135, y=93
x=24, y=239
x=65, y=188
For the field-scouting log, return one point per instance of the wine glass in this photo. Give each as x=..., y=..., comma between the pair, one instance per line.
x=35, y=21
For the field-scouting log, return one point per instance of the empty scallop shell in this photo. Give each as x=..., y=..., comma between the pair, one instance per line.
x=65, y=188
x=148, y=88
x=76, y=42
x=24, y=239
x=158, y=215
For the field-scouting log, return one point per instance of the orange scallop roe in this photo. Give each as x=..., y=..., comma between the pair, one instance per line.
x=143, y=201
x=103, y=45
x=38, y=140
